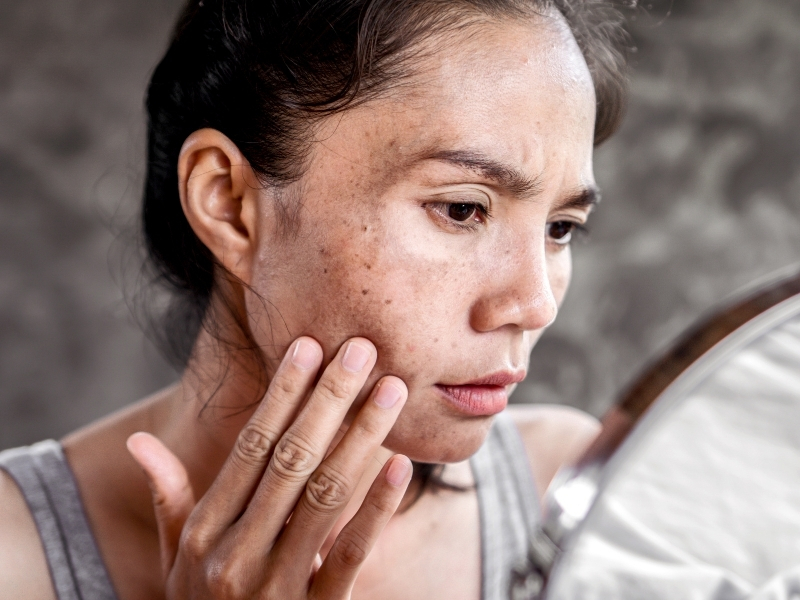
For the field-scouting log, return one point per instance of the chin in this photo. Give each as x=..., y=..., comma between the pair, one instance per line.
x=437, y=438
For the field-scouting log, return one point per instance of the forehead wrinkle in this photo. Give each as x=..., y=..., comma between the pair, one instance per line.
x=504, y=175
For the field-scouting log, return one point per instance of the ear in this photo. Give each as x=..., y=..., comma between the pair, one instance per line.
x=219, y=194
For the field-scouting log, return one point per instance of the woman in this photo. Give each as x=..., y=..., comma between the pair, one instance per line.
x=364, y=209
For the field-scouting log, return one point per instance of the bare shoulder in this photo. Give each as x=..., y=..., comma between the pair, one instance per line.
x=554, y=436
x=23, y=567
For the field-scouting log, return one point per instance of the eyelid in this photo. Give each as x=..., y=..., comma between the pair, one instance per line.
x=482, y=210
x=463, y=196
x=441, y=208
x=579, y=215
x=578, y=229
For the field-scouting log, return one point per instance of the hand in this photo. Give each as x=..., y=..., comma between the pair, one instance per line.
x=239, y=541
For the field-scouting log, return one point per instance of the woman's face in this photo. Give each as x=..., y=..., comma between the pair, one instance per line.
x=435, y=222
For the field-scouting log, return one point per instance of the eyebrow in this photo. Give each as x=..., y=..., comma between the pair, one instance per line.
x=586, y=198
x=512, y=179
x=504, y=175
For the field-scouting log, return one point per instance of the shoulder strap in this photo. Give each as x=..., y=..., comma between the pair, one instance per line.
x=46, y=481
x=508, y=506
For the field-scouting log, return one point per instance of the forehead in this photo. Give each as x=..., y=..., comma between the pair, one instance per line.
x=501, y=57
x=516, y=90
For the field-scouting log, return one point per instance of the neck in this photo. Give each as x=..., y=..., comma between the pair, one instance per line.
x=219, y=390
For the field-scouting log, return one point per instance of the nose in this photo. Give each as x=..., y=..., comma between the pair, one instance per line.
x=520, y=295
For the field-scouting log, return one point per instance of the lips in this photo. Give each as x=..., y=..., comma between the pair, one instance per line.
x=500, y=379
x=485, y=396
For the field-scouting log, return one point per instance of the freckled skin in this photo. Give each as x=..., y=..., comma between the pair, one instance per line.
x=370, y=258
x=376, y=253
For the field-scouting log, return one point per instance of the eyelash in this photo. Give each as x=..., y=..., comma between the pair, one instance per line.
x=482, y=211
x=575, y=229
x=442, y=208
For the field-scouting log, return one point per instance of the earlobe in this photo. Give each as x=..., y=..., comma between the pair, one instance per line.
x=219, y=192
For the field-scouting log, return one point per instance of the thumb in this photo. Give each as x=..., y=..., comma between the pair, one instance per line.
x=173, y=498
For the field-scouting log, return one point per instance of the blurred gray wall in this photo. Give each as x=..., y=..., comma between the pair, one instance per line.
x=701, y=196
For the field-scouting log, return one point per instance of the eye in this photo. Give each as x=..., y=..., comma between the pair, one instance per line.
x=462, y=212
x=459, y=213
x=561, y=231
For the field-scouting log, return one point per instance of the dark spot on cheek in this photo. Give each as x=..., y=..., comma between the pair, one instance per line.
x=365, y=292
x=435, y=340
x=387, y=301
x=368, y=266
x=365, y=228
x=324, y=270
x=322, y=250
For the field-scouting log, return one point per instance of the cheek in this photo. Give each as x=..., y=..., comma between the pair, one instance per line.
x=379, y=288
x=364, y=279
x=559, y=272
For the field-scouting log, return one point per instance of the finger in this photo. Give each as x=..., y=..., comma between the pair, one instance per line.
x=302, y=448
x=332, y=485
x=340, y=568
x=173, y=498
x=314, y=568
x=239, y=476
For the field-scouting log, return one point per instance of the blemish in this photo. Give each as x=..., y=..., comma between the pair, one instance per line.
x=369, y=266
x=324, y=270
x=387, y=301
x=365, y=292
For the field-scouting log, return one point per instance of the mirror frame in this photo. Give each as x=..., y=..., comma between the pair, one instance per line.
x=572, y=493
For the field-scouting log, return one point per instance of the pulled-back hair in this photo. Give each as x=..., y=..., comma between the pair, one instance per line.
x=263, y=71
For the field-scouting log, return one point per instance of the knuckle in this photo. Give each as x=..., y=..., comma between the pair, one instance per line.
x=352, y=550
x=293, y=458
x=381, y=504
x=195, y=543
x=326, y=491
x=284, y=386
x=224, y=579
x=253, y=445
x=160, y=501
x=335, y=388
x=371, y=428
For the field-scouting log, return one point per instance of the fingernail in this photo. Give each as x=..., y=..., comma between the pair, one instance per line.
x=304, y=355
x=397, y=471
x=355, y=357
x=387, y=395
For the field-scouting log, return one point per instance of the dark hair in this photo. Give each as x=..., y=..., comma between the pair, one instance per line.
x=261, y=72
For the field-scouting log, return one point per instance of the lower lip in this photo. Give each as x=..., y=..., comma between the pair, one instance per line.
x=476, y=400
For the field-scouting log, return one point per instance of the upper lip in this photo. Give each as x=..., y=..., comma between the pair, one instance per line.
x=500, y=379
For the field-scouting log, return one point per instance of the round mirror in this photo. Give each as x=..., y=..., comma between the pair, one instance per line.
x=693, y=488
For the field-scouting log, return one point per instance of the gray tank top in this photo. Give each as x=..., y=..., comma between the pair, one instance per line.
x=507, y=500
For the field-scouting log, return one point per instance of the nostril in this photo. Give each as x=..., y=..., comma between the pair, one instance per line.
x=506, y=308
x=550, y=308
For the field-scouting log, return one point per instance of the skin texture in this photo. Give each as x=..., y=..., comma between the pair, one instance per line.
x=501, y=115
x=371, y=236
